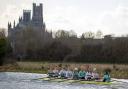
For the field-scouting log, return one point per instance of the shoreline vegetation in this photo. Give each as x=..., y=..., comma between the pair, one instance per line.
x=119, y=71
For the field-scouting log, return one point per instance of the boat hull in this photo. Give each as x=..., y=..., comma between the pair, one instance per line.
x=75, y=81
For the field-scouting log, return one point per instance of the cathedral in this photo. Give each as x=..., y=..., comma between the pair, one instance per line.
x=35, y=22
x=29, y=33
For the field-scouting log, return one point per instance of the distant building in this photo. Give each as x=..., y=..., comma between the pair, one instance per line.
x=36, y=22
x=26, y=22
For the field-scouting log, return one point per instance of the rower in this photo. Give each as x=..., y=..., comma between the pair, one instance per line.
x=75, y=74
x=69, y=73
x=106, y=77
x=62, y=73
x=50, y=72
x=56, y=72
x=88, y=75
x=95, y=75
x=82, y=73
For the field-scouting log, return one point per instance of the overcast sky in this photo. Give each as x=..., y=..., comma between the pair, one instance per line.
x=109, y=16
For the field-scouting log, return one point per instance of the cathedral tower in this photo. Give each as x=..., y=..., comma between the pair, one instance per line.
x=26, y=16
x=37, y=17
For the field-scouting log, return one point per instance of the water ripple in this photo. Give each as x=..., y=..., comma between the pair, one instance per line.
x=11, y=80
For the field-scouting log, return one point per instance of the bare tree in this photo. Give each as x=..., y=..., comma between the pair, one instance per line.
x=62, y=34
x=88, y=35
x=99, y=34
x=2, y=33
x=72, y=34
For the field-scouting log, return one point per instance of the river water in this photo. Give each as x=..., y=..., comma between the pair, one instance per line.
x=13, y=80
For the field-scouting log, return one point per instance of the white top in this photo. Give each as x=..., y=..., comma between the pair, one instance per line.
x=88, y=74
x=55, y=71
x=95, y=75
x=69, y=74
x=62, y=72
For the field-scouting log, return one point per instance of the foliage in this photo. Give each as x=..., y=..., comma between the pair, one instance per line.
x=54, y=51
x=3, y=46
x=66, y=47
x=62, y=34
x=88, y=35
x=91, y=53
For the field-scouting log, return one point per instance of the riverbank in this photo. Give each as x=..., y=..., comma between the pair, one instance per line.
x=117, y=70
x=17, y=68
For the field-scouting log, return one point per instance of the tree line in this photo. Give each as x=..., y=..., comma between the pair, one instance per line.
x=65, y=46
x=3, y=46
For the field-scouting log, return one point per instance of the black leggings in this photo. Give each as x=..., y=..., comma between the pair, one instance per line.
x=82, y=77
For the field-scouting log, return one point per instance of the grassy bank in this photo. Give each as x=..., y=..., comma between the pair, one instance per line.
x=117, y=70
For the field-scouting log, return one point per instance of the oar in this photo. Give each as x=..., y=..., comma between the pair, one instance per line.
x=69, y=81
x=48, y=79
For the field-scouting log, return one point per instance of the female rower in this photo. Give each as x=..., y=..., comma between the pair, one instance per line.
x=88, y=75
x=75, y=74
x=56, y=72
x=69, y=73
x=106, y=77
x=82, y=73
x=50, y=72
x=95, y=75
x=62, y=73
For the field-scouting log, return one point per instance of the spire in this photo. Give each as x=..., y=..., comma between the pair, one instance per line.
x=51, y=32
x=8, y=25
x=44, y=26
x=19, y=19
x=14, y=24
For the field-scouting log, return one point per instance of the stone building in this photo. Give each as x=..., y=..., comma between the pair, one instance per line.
x=35, y=21
x=30, y=20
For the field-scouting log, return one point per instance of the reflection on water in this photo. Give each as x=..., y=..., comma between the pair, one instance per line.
x=10, y=80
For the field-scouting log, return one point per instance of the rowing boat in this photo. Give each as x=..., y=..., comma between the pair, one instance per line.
x=75, y=81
